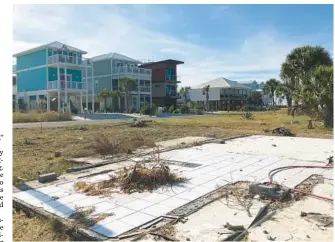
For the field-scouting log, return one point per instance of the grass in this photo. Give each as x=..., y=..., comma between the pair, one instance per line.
x=34, y=151
x=36, y=229
x=33, y=117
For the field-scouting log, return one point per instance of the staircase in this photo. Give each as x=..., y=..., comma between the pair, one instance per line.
x=75, y=105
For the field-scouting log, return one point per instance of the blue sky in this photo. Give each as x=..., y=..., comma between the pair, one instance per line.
x=240, y=42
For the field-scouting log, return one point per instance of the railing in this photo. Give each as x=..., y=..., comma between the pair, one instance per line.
x=145, y=89
x=68, y=59
x=172, y=94
x=69, y=85
x=131, y=70
x=172, y=78
x=234, y=95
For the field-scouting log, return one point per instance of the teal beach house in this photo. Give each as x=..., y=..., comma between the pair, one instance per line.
x=53, y=73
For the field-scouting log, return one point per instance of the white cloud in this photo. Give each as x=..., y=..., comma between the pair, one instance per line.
x=103, y=29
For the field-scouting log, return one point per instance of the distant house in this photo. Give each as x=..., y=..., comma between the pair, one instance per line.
x=107, y=71
x=164, y=81
x=267, y=100
x=224, y=94
x=254, y=85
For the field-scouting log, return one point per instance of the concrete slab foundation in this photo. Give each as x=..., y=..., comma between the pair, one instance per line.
x=211, y=166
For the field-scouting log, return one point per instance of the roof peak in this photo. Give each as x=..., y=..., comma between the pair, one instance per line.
x=52, y=45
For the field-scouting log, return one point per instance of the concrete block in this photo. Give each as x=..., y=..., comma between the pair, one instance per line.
x=49, y=177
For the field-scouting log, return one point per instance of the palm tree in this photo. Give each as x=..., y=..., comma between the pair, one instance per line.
x=316, y=93
x=105, y=95
x=115, y=95
x=284, y=89
x=185, y=91
x=205, y=91
x=270, y=88
x=299, y=64
x=127, y=85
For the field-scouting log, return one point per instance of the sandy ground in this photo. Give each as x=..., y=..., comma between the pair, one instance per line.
x=207, y=224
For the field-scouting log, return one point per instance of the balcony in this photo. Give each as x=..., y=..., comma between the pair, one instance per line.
x=79, y=86
x=145, y=89
x=126, y=70
x=172, y=78
x=239, y=96
x=172, y=94
x=68, y=60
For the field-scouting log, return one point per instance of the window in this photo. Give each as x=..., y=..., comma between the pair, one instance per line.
x=170, y=74
x=170, y=90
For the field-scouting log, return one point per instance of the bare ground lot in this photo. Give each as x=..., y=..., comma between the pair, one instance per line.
x=34, y=150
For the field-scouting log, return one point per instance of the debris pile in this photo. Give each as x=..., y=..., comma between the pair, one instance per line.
x=138, y=123
x=267, y=190
x=282, y=131
x=138, y=177
x=143, y=176
x=96, y=189
x=322, y=220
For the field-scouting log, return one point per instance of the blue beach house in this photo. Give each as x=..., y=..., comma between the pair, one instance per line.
x=53, y=73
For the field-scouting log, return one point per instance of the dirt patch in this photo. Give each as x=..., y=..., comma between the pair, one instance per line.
x=166, y=233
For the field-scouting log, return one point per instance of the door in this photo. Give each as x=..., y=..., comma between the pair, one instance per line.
x=62, y=81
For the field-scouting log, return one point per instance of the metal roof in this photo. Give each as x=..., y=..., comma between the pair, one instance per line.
x=116, y=56
x=222, y=83
x=53, y=45
x=169, y=61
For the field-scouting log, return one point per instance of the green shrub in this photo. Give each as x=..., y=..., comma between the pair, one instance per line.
x=176, y=111
x=146, y=110
x=198, y=106
x=32, y=117
x=273, y=108
x=171, y=109
x=247, y=115
x=184, y=109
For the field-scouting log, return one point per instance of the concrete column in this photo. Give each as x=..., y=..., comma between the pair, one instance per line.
x=81, y=103
x=126, y=103
x=151, y=93
x=86, y=80
x=138, y=94
x=37, y=102
x=66, y=95
x=16, y=102
x=58, y=87
x=93, y=95
x=48, y=102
